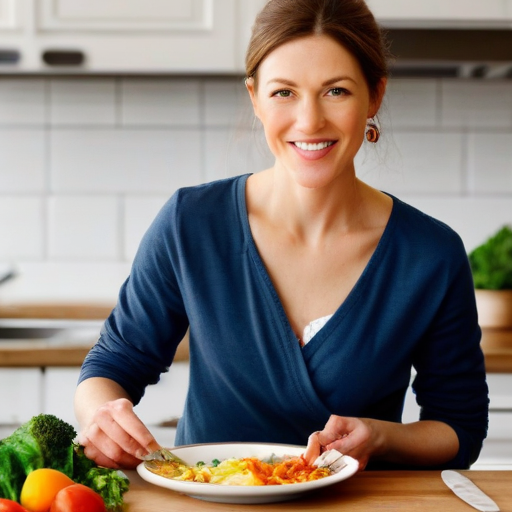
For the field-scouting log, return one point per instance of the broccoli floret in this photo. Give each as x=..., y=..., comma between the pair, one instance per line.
x=43, y=441
x=110, y=484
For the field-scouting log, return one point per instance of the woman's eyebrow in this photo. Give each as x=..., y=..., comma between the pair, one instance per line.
x=291, y=83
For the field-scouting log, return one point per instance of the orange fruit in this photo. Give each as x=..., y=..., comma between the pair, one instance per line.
x=40, y=488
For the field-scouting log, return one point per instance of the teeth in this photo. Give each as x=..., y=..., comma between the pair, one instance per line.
x=313, y=147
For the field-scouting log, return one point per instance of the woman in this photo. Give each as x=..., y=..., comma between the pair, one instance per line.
x=309, y=295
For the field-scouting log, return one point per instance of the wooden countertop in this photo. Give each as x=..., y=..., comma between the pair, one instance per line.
x=410, y=491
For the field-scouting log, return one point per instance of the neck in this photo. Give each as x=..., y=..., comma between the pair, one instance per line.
x=311, y=214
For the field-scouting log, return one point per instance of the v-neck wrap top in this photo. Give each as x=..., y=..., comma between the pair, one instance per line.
x=250, y=380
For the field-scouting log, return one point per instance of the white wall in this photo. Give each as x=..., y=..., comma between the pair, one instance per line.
x=85, y=163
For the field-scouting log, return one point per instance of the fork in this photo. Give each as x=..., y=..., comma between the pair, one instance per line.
x=331, y=459
x=163, y=454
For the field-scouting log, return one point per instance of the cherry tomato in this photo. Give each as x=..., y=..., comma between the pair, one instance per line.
x=77, y=498
x=10, y=506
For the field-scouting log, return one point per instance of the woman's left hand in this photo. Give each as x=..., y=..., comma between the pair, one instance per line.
x=356, y=437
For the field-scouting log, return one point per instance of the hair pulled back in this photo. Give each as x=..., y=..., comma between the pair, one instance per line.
x=349, y=22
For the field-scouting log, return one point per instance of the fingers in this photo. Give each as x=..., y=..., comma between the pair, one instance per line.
x=117, y=437
x=313, y=449
x=350, y=436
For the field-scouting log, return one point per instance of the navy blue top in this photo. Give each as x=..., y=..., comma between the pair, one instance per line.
x=198, y=267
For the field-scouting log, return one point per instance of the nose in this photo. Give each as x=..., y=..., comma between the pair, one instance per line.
x=310, y=116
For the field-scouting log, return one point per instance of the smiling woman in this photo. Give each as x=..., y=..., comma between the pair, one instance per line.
x=309, y=295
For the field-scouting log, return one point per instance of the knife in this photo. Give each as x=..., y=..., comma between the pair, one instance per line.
x=466, y=490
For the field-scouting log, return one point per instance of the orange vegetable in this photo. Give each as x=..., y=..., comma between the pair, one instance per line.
x=40, y=488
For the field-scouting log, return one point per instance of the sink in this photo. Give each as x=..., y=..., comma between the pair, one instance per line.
x=49, y=331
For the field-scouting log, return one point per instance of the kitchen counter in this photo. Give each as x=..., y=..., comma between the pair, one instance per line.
x=88, y=291
x=410, y=491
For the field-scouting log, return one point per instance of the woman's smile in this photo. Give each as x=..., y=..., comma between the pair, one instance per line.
x=313, y=150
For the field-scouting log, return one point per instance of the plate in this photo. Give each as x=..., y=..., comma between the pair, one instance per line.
x=192, y=454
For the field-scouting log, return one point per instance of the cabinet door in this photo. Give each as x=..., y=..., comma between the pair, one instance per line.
x=11, y=14
x=122, y=36
x=439, y=12
x=21, y=395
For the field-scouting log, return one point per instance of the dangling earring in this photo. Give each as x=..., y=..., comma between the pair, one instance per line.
x=372, y=132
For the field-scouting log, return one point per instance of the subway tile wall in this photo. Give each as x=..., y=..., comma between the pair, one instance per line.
x=86, y=163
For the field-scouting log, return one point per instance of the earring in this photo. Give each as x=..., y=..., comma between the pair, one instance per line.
x=372, y=132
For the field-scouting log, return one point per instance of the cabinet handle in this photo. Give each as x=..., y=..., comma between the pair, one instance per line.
x=63, y=57
x=9, y=56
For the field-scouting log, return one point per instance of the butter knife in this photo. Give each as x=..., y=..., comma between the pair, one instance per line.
x=466, y=490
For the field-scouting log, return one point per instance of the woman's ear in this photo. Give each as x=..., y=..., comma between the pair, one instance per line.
x=251, y=89
x=376, y=102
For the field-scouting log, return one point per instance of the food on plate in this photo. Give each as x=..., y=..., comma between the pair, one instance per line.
x=245, y=471
x=46, y=441
x=40, y=488
x=77, y=498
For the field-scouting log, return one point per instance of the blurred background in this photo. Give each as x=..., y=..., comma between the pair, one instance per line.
x=107, y=107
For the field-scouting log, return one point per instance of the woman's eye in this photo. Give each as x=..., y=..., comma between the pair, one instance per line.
x=284, y=93
x=337, y=91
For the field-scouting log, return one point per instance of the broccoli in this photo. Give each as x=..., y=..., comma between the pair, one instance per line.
x=110, y=484
x=45, y=441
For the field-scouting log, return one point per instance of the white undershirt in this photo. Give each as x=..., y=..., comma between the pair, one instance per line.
x=313, y=327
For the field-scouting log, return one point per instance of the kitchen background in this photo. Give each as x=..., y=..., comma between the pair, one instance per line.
x=87, y=161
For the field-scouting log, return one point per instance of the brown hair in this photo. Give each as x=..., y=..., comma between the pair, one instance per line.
x=349, y=22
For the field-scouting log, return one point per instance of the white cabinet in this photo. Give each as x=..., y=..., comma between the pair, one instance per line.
x=21, y=395
x=131, y=36
x=442, y=13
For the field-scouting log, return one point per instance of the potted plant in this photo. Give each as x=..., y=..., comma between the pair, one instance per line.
x=491, y=265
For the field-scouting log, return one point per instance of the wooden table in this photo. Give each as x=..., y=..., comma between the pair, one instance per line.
x=410, y=491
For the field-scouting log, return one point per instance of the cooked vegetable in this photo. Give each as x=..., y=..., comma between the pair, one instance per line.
x=40, y=488
x=246, y=471
x=491, y=262
x=45, y=441
x=77, y=498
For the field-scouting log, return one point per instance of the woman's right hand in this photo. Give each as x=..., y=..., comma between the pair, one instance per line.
x=115, y=437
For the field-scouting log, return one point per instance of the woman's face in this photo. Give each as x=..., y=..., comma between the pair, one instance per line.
x=314, y=102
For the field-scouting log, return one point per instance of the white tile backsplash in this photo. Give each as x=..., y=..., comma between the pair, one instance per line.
x=22, y=160
x=84, y=228
x=490, y=163
x=22, y=227
x=476, y=104
x=86, y=162
x=82, y=102
x=161, y=102
x=22, y=101
x=412, y=103
x=226, y=103
x=132, y=160
x=420, y=162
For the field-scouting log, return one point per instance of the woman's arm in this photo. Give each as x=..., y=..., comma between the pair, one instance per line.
x=422, y=443
x=111, y=433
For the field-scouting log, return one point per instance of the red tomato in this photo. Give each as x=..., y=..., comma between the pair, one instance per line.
x=10, y=506
x=77, y=498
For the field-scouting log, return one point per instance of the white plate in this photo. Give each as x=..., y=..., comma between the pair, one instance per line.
x=242, y=494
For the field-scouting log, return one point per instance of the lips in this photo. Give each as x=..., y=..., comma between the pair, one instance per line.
x=313, y=150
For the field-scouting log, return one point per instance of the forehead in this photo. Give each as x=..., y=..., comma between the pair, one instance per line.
x=311, y=55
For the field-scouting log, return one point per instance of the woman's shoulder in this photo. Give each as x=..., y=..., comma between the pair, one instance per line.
x=424, y=230
x=210, y=193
